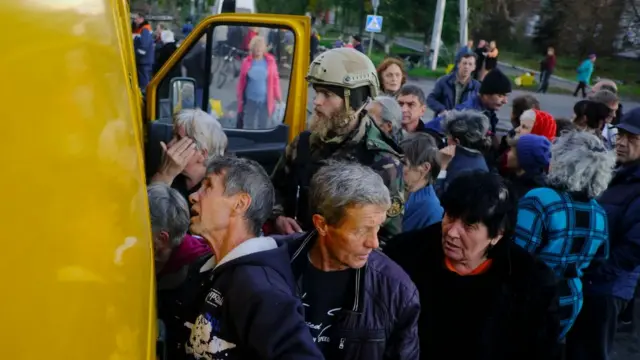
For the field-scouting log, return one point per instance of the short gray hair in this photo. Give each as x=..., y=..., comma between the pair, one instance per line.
x=580, y=163
x=604, y=97
x=246, y=176
x=420, y=149
x=469, y=127
x=169, y=212
x=390, y=111
x=206, y=131
x=337, y=186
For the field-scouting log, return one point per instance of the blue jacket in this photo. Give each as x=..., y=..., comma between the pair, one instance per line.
x=567, y=232
x=473, y=103
x=584, y=71
x=379, y=319
x=144, y=45
x=251, y=310
x=421, y=209
x=619, y=275
x=443, y=96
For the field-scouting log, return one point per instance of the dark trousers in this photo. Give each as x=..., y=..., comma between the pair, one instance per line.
x=581, y=86
x=544, y=81
x=592, y=335
x=144, y=75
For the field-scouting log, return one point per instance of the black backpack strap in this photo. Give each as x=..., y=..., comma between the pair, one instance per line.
x=303, y=158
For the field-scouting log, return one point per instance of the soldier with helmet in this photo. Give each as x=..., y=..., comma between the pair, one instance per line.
x=340, y=129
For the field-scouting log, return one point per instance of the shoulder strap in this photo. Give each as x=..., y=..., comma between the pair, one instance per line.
x=302, y=150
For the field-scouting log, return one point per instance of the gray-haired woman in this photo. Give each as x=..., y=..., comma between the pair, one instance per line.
x=422, y=206
x=197, y=138
x=563, y=224
x=467, y=142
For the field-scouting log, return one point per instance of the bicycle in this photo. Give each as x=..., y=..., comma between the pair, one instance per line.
x=229, y=65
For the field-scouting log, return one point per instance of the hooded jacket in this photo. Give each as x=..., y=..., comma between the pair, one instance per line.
x=250, y=310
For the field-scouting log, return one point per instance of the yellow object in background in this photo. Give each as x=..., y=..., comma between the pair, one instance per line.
x=449, y=68
x=525, y=80
x=216, y=107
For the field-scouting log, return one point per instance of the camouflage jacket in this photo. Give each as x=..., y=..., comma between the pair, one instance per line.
x=367, y=145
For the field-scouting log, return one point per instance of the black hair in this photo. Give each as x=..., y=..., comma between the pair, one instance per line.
x=485, y=198
x=414, y=90
x=596, y=114
x=564, y=125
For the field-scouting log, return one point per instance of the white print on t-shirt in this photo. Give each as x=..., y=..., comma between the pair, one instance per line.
x=319, y=338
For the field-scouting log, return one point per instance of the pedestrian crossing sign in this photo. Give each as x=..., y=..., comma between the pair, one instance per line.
x=374, y=23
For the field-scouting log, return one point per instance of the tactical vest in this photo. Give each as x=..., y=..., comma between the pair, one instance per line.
x=296, y=202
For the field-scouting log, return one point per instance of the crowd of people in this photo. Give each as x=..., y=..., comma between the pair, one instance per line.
x=382, y=235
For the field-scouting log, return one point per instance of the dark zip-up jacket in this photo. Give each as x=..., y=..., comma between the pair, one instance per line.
x=379, y=319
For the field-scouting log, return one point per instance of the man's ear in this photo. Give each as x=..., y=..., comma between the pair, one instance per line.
x=320, y=224
x=242, y=203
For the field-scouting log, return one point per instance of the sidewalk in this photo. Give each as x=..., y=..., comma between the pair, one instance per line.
x=508, y=69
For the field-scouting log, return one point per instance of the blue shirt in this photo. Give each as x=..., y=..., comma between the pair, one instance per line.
x=257, y=81
x=422, y=209
x=567, y=232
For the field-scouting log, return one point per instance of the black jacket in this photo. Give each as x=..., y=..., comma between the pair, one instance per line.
x=509, y=312
x=251, y=310
x=379, y=317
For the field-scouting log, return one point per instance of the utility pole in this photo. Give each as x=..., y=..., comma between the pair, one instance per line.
x=437, y=32
x=464, y=22
x=375, y=4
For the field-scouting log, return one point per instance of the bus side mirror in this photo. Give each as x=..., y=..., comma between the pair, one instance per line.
x=182, y=93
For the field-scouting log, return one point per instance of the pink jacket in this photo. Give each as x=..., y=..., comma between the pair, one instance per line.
x=273, y=82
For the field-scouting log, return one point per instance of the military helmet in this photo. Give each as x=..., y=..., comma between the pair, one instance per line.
x=346, y=68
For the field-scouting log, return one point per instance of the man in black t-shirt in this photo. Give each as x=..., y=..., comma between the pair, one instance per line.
x=359, y=305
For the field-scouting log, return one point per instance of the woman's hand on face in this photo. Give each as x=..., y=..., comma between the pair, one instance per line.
x=446, y=154
x=175, y=158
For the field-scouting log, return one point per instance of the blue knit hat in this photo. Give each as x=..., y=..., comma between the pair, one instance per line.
x=534, y=153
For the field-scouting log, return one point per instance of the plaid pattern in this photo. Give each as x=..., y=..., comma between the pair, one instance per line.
x=567, y=235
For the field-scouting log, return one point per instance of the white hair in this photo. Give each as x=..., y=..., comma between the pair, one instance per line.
x=528, y=115
x=580, y=163
x=203, y=129
x=166, y=36
x=391, y=111
x=339, y=185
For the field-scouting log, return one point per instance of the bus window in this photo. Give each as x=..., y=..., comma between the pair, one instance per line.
x=248, y=78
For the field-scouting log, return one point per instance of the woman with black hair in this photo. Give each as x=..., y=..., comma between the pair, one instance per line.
x=481, y=296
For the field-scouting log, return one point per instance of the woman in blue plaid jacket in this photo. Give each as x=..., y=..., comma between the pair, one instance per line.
x=562, y=223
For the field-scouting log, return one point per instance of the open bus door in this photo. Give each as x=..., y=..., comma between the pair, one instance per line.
x=217, y=88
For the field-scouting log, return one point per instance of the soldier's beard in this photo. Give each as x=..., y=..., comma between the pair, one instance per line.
x=338, y=124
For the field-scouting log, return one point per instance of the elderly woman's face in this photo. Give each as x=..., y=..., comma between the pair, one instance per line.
x=259, y=48
x=351, y=241
x=526, y=125
x=197, y=162
x=415, y=177
x=392, y=78
x=465, y=242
